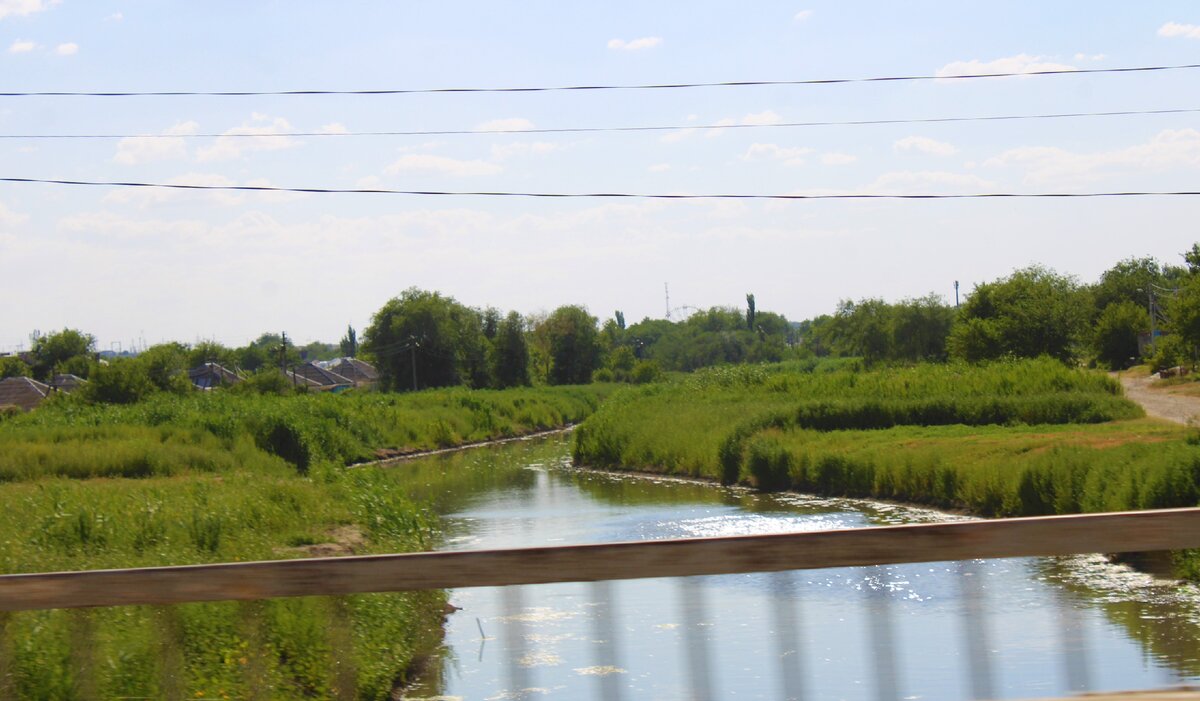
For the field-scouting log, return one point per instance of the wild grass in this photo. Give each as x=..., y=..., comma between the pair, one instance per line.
x=684, y=427
x=1006, y=439
x=55, y=524
x=219, y=432
x=221, y=477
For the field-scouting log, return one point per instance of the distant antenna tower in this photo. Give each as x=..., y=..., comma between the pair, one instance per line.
x=667, y=292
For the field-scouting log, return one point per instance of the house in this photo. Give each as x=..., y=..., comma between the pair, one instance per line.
x=67, y=382
x=325, y=380
x=210, y=375
x=23, y=392
x=361, y=373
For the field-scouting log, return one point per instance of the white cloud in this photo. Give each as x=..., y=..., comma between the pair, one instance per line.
x=333, y=128
x=115, y=17
x=10, y=218
x=254, y=135
x=1175, y=29
x=67, y=49
x=792, y=156
x=837, y=159
x=522, y=148
x=1051, y=165
x=764, y=118
x=510, y=124
x=802, y=15
x=429, y=163
x=21, y=46
x=634, y=44
x=20, y=8
x=1091, y=57
x=146, y=149
x=924, y=144
x=151, y=196
x=1021, y=63
x=927, y=182
x=659, y=168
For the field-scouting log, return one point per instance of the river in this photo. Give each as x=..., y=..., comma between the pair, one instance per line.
x=1010, y=628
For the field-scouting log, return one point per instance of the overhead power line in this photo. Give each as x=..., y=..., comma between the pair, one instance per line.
x=649, y=86
x=578, y=130
x=627, y=195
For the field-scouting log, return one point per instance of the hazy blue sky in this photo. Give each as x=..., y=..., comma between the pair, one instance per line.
x=127, y=264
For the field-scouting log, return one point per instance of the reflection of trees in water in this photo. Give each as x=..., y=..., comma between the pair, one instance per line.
x=450, y=482
x=1165, y=624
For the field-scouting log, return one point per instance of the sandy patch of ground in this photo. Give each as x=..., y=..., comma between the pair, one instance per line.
x=1161, y=402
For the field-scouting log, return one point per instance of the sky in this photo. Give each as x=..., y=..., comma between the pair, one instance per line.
x=135, y=266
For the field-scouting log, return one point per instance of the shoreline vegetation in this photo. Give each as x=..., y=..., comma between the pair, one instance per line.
x=1011, y=438
x=219, y=477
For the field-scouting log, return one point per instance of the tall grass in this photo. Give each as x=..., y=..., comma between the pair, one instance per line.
x=687, y=427
x=222, y=477
x=218, y=432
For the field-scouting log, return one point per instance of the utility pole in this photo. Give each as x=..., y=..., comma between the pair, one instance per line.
x=413, y=349
x=1150, y=298
x=283, y=351
x=956, y=294
x=667, y=292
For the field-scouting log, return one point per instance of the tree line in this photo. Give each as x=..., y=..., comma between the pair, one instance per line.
x=1033, y=311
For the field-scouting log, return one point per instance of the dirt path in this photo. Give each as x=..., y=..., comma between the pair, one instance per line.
x=1161, y=402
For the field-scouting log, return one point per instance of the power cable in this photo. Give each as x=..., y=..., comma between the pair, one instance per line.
x=562, y=88
x=579, y=130
x=610, y=195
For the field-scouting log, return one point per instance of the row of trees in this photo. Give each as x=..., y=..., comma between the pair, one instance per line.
x=1034, y=311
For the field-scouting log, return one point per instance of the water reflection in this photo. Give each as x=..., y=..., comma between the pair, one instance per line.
x=987, y=629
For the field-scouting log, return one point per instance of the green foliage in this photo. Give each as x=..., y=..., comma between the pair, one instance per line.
x=444, y=339
x=349, y=343
x=119, y=381
x=573, y=345
x=681, y=427
x=1115, y=336
x=1032, y=312
x=1183, y=309
x=268, y=380
x=509, y=353
x=68, y=350
x=165, y=367
x=12, y=366
x=911, y=330
x=206, y=432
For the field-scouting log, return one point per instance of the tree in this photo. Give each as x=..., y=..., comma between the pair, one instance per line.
x=12, y=366
x=122, y=381
x=574, y=345
x=1115, y=337
x=750, y=311
x=349, y=343
x=62, y=351
x=1131, y=280
x=1035, y=311
x=509, y=353
x=442, y=337
x=163, y=365
x=210, y=352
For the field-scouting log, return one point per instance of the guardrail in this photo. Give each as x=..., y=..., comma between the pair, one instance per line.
x=1140, y=531
x=1131, y=531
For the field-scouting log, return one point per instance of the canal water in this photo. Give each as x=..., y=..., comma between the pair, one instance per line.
x=1011, y=628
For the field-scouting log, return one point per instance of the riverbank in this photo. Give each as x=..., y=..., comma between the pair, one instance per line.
x=225, y=478
x=1010, y=439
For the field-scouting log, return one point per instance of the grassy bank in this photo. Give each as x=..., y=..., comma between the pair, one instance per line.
x=219, y=477
x=1008, y=439
x=217, y=432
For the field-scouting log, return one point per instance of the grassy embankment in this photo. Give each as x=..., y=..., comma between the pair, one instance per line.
x=208, y=478
x=1008, y=439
